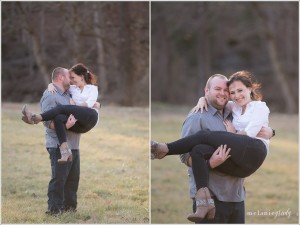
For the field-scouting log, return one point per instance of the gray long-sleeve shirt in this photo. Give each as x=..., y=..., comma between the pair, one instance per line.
x=226, y=188
x=49, y=101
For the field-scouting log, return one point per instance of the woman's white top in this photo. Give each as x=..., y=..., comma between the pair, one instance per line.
x=254, y=118
x=89, y=95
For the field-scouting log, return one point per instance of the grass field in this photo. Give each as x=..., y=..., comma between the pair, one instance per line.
x=272, y=192
x=114, y=182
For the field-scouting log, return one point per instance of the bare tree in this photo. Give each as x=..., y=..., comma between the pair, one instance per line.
x=202, y=38
x=35, y=37
x=203, y=45
x=38, y=36
x=161, y=57
x=98, y=21
x=267, y=23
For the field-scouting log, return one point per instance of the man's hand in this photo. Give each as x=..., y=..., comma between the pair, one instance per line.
x=51, y=125
x=265, y=133
x=72, y=102
x=71, y=121
x=97, y=105
x=219, y=156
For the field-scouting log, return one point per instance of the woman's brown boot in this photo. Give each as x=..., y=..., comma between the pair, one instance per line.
x=211, y=204
x=158, y=150
x=29, y=117
x=205, y=206
x=66, y=153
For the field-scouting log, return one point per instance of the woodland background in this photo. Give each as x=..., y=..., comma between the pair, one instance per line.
x=111, y=38
x=190, y=41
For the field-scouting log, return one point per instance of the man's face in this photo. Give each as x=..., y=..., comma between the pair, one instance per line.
x=66, y=80
x=217, y=94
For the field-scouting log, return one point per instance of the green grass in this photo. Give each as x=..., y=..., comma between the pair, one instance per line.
x=272, y=190
x=114, y=179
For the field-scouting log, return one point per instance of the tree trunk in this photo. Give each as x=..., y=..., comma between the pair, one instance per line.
x=100, y=49
x=203, y=48
x=36, y=45
x=268, y=36
x=38, y=55
x=75, y=37
x=161, y=58
x=126, y=56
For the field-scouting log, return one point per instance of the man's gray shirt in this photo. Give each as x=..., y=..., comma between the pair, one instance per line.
x=226, y=188
x=49, y=101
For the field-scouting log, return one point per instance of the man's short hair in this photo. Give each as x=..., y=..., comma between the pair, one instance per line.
x=212, y=77
x=57, y=71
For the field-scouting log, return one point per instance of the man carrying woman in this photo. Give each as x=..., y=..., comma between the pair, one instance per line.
x=226, y=190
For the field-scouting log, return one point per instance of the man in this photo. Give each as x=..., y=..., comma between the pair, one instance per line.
x=63, y=186
x=228, y=192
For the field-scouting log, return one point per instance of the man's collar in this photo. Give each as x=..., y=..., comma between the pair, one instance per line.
x=226, y=112
x=213, y=111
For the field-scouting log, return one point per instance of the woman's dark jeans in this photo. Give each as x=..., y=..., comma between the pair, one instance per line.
x=63, y=186
x=86, y=119
x=247, y=154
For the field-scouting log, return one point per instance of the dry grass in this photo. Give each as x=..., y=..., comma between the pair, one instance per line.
x=114, y=183
x=272, y=192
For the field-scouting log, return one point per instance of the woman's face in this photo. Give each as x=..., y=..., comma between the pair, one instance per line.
x=239, y=93
x=76, y=79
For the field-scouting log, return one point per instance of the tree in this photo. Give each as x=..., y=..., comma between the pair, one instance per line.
x=267, y=23
x=39, y=36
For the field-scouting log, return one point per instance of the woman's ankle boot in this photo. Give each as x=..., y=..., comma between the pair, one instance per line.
x=211, y=205
x=66, y=154
x=29, y=117
x=158, y=150
x=205, y=206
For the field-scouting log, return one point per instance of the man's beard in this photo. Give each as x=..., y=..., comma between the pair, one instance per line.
x=216, y=104
x=66, y=86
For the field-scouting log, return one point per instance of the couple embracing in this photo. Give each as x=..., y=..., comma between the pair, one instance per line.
x=221, y=146
x=69, y=107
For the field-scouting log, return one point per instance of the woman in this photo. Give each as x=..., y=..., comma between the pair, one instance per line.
x=247, y=151
x=84, y=95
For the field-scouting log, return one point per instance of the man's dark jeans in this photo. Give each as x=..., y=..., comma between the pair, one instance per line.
x=63, y=186
x=226, y=212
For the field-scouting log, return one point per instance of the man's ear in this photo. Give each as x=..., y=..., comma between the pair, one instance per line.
x=206, y=90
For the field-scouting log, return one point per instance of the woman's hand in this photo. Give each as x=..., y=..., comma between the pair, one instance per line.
x=219, y=156
x=229, y=126
x=51, y=88
x=202, y=104
x=70, y=122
